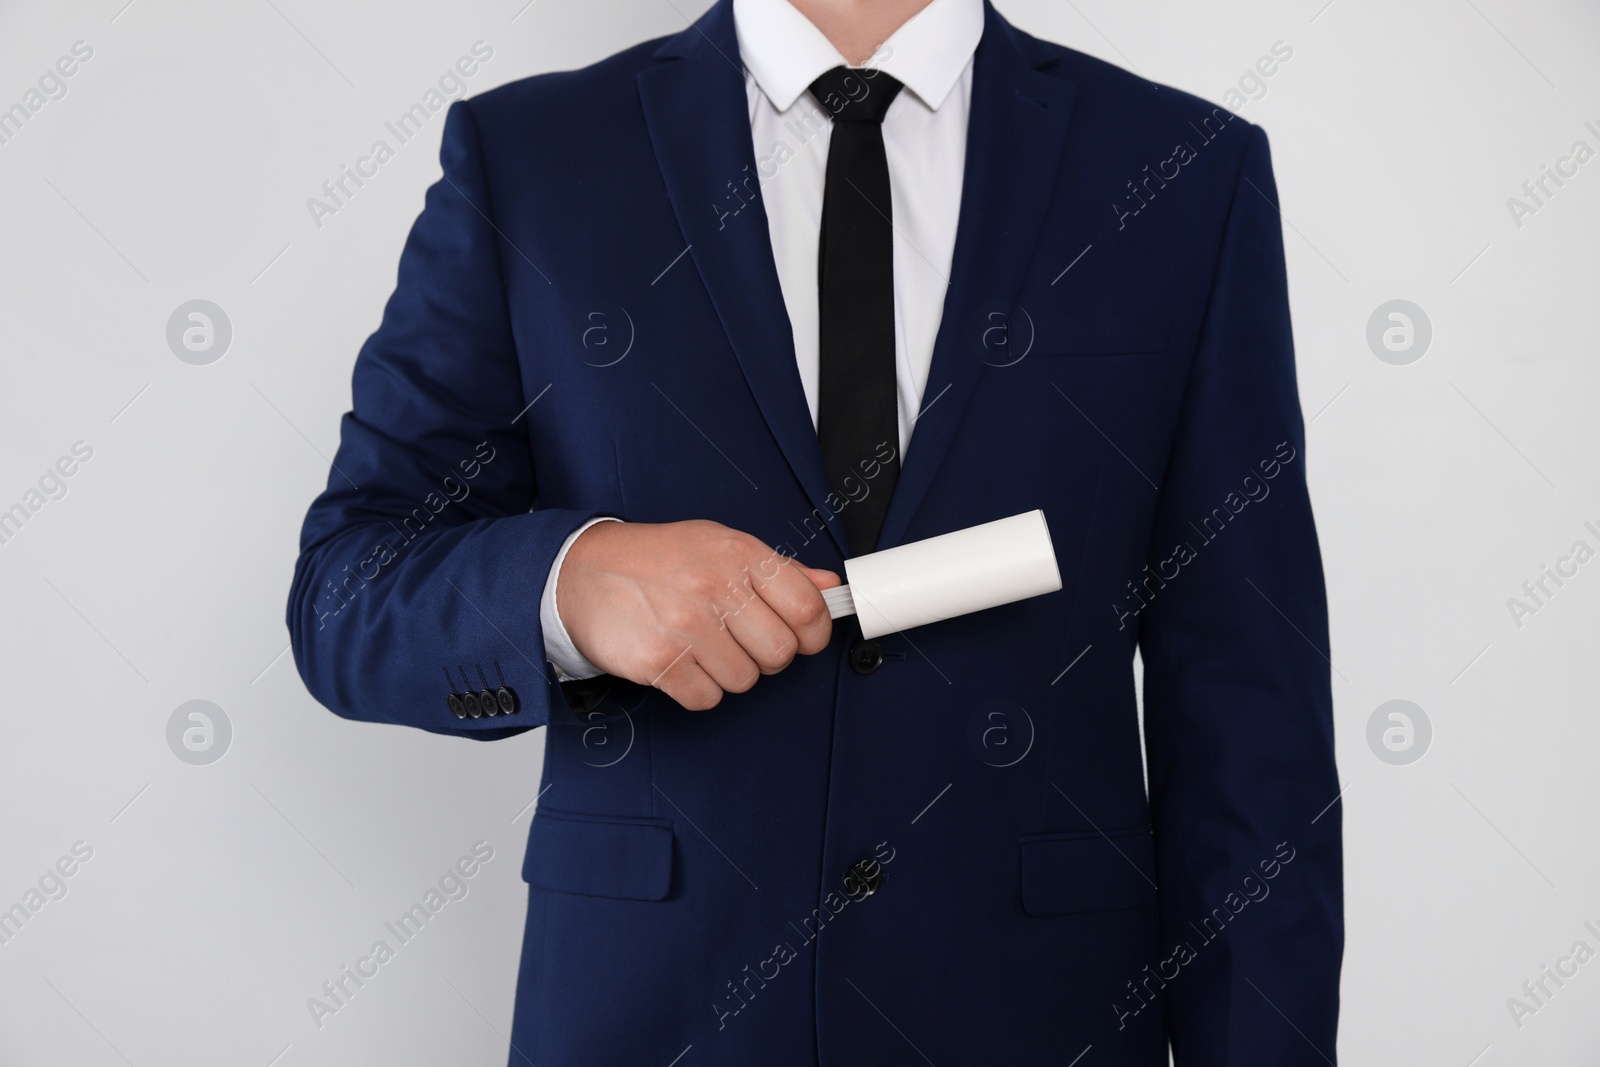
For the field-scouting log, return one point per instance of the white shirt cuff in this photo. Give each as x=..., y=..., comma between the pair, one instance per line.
x=570, y=664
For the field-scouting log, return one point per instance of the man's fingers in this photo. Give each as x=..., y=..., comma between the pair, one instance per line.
x=688, y=683
x=725, y=660
x=764, y=637
x=794, y=596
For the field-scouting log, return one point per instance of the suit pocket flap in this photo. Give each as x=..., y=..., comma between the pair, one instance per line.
x=630, y=859
x=1067, y=873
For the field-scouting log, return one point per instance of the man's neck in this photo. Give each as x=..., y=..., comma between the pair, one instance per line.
x=857, y=27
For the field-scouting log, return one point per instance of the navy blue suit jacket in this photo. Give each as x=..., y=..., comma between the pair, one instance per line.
x=1115, y=348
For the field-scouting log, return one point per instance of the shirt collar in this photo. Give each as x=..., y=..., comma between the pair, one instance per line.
x=784, y=52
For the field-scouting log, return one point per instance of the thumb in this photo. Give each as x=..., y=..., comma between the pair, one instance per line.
x=821, y=578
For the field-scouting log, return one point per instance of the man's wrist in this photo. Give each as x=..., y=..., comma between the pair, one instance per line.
x=570, y=664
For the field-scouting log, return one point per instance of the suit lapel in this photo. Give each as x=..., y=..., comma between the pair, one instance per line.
x=1018, y=123
x=697, y=112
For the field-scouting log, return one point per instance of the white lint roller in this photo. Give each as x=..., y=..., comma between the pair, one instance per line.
x=967, y=570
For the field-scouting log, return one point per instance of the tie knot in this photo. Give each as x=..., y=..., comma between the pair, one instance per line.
x=854, y=95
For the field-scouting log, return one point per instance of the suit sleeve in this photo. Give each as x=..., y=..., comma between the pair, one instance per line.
x=1238, y=708
x=422, y=564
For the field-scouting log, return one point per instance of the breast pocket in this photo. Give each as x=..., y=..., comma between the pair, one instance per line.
x=1102, y=335
x=1064, y=874
x=627, y=859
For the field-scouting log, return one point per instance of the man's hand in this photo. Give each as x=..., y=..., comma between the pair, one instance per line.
x=693, y=608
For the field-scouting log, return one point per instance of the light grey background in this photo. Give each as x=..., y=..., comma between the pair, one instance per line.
x=220, y=896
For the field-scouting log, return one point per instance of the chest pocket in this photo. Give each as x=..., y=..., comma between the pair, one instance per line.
x=1064, y=874
x=1101, y=335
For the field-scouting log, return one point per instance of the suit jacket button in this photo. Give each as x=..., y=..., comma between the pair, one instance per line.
x=863, y=879
x=456, y=706
x=470, y=702
x=506, y=699
x=488, y=702
x=866, y=656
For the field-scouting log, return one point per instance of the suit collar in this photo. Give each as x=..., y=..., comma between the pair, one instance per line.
x=784, y=52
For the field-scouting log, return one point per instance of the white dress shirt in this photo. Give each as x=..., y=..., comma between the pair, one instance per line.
x=925, y=142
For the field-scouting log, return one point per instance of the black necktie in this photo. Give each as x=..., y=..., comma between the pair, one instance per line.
x=857, y=417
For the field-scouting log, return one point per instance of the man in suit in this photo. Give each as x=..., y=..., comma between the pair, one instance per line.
x=809, y=278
